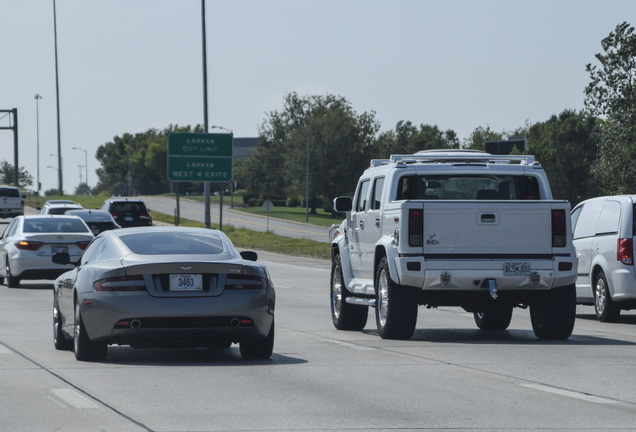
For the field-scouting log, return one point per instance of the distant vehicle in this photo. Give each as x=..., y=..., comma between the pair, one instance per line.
x=11, y=202
x=49, y=202
x=163, y=287
x=97, y=220
x=128, y=212
x=603, y=235
x=57, y=208
x=28, y=243
x=453, y=228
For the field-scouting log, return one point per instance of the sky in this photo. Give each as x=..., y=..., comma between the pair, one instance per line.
x=126, y=66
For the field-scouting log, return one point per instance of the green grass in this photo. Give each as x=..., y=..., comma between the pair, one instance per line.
x=241, y=237
x=294, y=214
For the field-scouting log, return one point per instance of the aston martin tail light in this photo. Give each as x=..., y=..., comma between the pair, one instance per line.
x=122, y=283
x=245, y=282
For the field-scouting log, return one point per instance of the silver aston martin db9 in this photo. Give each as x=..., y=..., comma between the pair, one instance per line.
x=163, y=287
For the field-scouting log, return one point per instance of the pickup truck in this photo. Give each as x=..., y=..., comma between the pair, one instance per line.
x=453, y=228
x=11, y=202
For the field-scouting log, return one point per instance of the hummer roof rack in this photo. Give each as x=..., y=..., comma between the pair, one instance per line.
x=455, y=156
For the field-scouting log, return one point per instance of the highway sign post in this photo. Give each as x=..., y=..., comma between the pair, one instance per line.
x=200, y=157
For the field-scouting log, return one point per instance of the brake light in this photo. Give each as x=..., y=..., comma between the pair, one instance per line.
x=245, y=282
x=121, y=283
x=83, y=244
x=114, y=215
x=625, y=251
x=144, y=216
x=28, y=245
x=416, y=227
x=558, y=228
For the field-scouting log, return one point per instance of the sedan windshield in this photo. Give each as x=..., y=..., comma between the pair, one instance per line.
x=168, y=243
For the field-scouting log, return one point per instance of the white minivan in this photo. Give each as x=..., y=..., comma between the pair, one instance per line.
x=603, y=235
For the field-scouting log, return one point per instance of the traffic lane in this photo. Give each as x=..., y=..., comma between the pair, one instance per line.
x=195, y=210
x=497, y=380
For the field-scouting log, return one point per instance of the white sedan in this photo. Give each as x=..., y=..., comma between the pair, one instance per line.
x=29, y=242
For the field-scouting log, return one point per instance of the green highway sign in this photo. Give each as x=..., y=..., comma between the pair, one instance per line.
x=200, y=157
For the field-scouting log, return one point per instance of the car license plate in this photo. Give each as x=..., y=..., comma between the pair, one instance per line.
x=186, y=282
x=59, y=249
x=517, y=268
x=128, y=218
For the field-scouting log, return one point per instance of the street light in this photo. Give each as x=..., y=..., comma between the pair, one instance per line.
x=231, y=191
x=85, y=163
x=37, y=122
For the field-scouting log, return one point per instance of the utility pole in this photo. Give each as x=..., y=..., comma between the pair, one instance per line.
x=37, y=129
x=57, y=101
x=14, y=111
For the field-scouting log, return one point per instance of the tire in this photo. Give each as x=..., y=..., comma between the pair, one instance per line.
x=553, y=314
x=496, y=316
x=345, y=316
x=606, y=309
x=86, y=349
x=12, y=282
x=59, y=339
x=258, y=349
x=395, y=306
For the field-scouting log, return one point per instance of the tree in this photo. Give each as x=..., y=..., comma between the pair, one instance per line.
x=612, y=91
x=7, y=173
x=611, y=94
x=478, y=137
x=83, y=189
x=566, y=147
x=140, y=159
x=324, y=130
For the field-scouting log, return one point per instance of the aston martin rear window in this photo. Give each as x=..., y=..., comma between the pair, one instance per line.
x=172, y=243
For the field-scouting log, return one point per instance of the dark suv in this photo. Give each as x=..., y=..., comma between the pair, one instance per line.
x=128, y=212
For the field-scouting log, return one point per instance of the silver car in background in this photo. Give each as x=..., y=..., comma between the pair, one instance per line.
x=163, y=287
x=29, y=242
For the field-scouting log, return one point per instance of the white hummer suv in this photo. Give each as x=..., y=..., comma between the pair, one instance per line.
x=453, y=228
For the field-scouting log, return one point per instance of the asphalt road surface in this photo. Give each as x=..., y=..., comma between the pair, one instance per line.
x=195, y=210
x=449, y=377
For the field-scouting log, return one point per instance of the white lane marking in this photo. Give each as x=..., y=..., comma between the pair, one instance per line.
x=74, y=398
x=348, y=345
x=572, y=394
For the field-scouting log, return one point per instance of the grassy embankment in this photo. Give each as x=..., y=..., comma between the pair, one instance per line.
x=242, y=238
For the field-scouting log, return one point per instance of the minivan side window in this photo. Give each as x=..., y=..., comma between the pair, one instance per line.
x=609, y=220
x=575, y=217
x=588, y=219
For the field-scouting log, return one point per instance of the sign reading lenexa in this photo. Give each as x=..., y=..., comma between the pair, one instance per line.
x=200, y=157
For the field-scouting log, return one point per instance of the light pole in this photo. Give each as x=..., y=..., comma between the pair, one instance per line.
x=37, y=128
x=221, y=197
x=85, y=164
x=307, y=178
x=57, y=102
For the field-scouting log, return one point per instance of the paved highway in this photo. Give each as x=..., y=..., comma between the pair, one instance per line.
x=195, y=210
x=449, y=376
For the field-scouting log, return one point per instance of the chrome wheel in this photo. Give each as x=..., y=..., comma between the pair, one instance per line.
x=606, y=309
x=336, y=295
x=345, y=316
x=600, y=299
x=383, y=298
